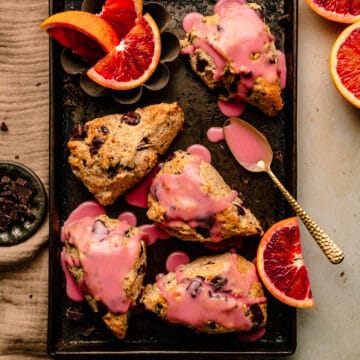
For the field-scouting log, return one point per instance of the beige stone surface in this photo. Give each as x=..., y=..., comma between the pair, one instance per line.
x=328, y=180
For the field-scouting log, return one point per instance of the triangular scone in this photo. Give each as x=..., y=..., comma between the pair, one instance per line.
x=213, y=294
x=190, y=200
x=113, y=153
x=107, y=259
x=233, y=52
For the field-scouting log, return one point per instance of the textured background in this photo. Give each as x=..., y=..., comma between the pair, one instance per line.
x=24, y=108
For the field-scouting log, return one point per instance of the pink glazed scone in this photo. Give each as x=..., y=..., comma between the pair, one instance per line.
x=234, y=53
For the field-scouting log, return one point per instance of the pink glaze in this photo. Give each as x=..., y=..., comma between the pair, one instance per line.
x=237, y=37
x=88, y=208
x=215, y=134
x=137, y=196
x=246, y=147
x=153, y=233
x=190, y=20
x=196, y=301
x=201, y=151
x=176, y=259
x=231, y=108
x=184, y=200
x=106, y=256
x=282, y=69
x=128, y=217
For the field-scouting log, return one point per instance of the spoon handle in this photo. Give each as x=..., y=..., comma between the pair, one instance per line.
x=328, y=246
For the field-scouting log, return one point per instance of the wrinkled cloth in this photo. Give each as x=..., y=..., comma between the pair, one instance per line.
x=24, y=109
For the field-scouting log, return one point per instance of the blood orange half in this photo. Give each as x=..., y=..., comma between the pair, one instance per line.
x=84, y=33
x=121, y=14
x=343, y=11
x=280, y=264
x=133, y=61
x=345, y=64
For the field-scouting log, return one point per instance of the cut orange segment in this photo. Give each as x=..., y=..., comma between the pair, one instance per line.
x=280, y=264
x=343, y=11
x=121, y=14
x=86, y=34
x=345, y=64
x=133, y=61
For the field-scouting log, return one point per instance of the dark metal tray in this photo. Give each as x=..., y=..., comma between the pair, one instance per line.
x=149, y=337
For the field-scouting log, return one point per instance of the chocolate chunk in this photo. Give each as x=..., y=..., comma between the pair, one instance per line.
x=4, y=127
x=15, y=195
x=131, y=118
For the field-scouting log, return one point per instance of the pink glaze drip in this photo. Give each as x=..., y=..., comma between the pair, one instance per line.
x=282, y=69
x=137, y=196
x=106, y=256
x=196, y=302
x=231, y=109
x=88, y=208
x=215, y=134
x=184, y=200
x=128, y=217
x=153, y=233
x=201, y=151
x=191, y=20
x=176, y=259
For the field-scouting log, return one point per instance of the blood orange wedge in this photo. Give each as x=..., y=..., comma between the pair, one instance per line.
x=343, y=11
x=84, y=33
x=345, y=64
x=121, y=14
x=133, y=61
x=280, y=264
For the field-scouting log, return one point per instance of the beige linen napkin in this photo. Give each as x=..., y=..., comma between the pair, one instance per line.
x=24, y=110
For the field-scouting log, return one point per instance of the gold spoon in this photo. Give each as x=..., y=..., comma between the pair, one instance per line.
x=252, y=151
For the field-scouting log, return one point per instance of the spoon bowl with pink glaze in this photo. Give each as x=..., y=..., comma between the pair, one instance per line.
x=253, y=152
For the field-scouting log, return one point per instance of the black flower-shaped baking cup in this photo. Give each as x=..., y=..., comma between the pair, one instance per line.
x=170, y=50
x=22, y=203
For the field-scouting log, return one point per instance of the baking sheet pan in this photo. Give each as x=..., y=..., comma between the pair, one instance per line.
x=149, y=337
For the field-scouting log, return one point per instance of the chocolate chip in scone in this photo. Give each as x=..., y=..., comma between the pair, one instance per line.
x=79, y=132
x=194, y=287
x=257, y=316
x=96, y=145
x=131, y=118
x=218, y=282
x=240, y=210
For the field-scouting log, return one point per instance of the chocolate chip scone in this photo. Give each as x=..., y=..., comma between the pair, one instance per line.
x=190, y=200
x=113, y=153
x=213, y=294
x=107, y=260
x=234, y=53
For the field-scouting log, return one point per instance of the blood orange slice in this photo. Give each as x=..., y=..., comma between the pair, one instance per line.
x=345, y=64
x=86, y=34
x=121, y=14
x=280, y=264
x=133, y=61
x=343, y=11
